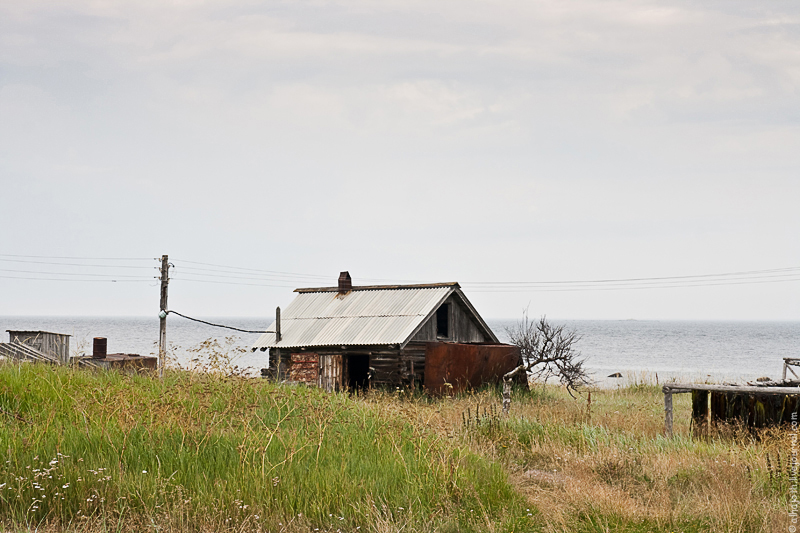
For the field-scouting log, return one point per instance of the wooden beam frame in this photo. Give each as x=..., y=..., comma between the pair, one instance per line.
x=679, y=388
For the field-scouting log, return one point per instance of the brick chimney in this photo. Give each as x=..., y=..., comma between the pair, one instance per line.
x=345, y=283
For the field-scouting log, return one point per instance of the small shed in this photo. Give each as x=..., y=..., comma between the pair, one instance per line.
x=52, y=344
x=353, y=336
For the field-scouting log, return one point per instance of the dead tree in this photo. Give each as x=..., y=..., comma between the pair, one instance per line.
x=547, y=351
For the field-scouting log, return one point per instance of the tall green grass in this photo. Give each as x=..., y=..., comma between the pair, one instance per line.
x=202, y=451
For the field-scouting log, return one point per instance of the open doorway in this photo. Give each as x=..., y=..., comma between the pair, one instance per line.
x=358, y=371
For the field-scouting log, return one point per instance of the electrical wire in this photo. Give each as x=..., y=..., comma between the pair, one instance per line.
x=219, y=274
x=293, y=274
x=628, y=287
x=543, y=289
x=789, y=274
x=79, y=280
x=69, y=273
x=71, y=264
x=80, y=258
x=788, y=271
x=533, y=284
x=230, y=282
x=216, y=325
x=292, y=277
x=225, y=276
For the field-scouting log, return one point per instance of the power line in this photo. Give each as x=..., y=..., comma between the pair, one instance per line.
x=216, y=325
x=79, y=258
x=235, y=275
x=272, y=276
x=789, y=276
x=294, y=274
x=787, y=270
x=230, y=282
x=628, y=287
x=70, y=264
x=225, y=276
x=69, y=273
x=283, y=279
x=79, y=280
x=773, y=273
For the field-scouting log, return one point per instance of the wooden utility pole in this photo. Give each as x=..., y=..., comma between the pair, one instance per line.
x=162, y=315
x=277, y=324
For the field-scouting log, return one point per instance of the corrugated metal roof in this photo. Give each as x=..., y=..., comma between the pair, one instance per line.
x=360, y=317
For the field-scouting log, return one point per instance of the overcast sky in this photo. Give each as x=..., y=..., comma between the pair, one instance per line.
x=402, y=141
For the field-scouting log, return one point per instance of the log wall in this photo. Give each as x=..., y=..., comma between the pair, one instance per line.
x=462, y=365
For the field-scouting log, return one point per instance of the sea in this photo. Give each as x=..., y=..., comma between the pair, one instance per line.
x=642, y=351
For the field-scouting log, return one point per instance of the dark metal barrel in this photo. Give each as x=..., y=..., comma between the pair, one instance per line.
x=100, y=348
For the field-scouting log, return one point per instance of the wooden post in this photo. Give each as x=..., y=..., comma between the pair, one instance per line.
x=162, y=331
x=667, y=412
x=699, y=412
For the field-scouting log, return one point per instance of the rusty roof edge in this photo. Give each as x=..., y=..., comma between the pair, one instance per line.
x=382, y=287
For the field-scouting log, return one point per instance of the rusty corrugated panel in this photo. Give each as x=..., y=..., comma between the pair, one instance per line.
x=453, y=367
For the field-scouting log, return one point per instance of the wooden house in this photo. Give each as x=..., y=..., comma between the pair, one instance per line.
x=350, y=337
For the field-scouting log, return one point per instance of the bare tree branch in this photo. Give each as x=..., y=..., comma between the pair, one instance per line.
x=547, y=350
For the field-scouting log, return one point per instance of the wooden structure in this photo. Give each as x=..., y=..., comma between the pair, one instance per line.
x=41, y=346
x=100, y=358
x=23, y=352
x=128, y=362
x=788, y=363
x=350, y=337
x=753, y=406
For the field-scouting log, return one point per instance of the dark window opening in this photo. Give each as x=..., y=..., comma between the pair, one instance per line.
x=443, y=321
x=358, y=372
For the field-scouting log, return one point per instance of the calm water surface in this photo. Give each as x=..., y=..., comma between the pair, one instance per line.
x=640, y=350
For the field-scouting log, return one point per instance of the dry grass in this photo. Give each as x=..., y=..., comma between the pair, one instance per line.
x=228, y=454
x=103, y=451
x=607, y=467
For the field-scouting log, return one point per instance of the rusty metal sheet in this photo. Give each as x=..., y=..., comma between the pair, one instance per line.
x=453, y=367
x=305, y=368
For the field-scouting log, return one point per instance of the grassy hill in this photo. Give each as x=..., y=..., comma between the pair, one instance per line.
x=104, y=451
x=200, y=452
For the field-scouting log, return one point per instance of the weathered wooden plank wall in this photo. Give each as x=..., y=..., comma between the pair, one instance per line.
x=331, y=372
x=462, y=327
x=54, y=344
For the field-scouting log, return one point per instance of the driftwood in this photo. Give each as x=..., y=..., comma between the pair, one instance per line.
x=507, y=380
